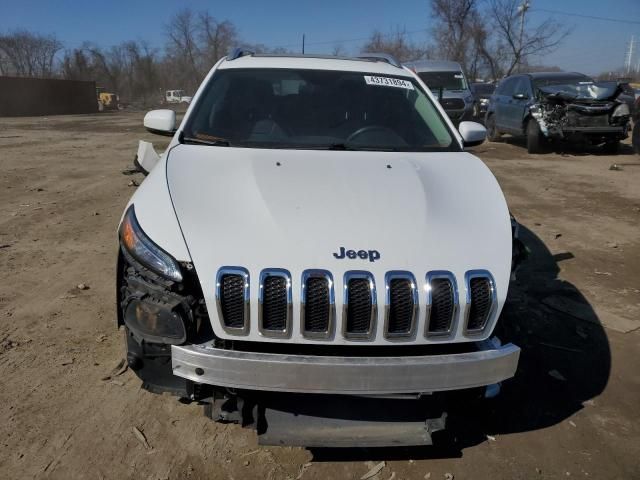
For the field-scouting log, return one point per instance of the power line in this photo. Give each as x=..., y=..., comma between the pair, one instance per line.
x=351, y=40
x=629, y=55
x=424, y=30
x=592, y=17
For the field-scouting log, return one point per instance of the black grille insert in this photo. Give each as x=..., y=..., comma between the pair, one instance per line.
x=317, y=307
x=359, y=308
x=442, y=306
x=232, y=304
x=452, y=103
x=401, y=306
x=481, y=302
x=275, y=305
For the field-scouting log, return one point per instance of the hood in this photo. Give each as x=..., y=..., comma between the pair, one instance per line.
x=589, y=92
x=293, y=209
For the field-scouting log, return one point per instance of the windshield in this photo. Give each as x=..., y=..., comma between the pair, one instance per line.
x=444, y=80
x=577, y=87
x=283, y=108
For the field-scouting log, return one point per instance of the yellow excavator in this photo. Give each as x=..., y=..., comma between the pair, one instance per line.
x=106, y=100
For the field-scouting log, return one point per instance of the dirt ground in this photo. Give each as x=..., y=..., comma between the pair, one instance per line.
x=572, y=411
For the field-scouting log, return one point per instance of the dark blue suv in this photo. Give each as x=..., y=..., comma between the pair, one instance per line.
x=558, y=106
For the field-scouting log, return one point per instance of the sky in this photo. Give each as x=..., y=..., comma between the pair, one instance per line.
x=592, y=47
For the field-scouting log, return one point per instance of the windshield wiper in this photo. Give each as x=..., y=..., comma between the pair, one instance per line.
x=339, y=146
x=365, y=148
x=200, y=141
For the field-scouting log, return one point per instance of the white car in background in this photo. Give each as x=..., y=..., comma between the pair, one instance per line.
x=314, y=242
x=176, y=96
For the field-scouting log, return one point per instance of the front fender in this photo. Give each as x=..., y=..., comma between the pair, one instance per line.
x=156, y=215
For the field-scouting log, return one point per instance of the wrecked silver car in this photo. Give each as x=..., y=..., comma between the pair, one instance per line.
x=558, y=106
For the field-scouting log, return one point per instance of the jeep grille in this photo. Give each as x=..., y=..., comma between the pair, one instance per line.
x=317, y=310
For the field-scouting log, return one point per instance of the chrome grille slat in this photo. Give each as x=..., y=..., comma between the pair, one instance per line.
x=275, y=303
x=442, y=303
x=232, y=299
x=481, y=300
x=401, y=304
x=317, y=304
x=360, y=305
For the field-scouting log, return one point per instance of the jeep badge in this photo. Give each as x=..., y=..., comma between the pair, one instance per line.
x=372, y=255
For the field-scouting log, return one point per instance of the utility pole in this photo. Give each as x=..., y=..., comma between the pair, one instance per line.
x=303, y=43
x=522, y=10
x=629, y=55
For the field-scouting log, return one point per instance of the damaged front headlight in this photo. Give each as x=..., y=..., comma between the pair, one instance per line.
x=621, y=110
x=140, y=247
x=536, y=111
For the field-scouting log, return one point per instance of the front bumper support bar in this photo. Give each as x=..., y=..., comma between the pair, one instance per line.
x=345, y=375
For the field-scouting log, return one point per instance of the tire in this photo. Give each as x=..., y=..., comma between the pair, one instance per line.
x=635, y=137
x=493, y=135
x=535, y=140
x=611, y=148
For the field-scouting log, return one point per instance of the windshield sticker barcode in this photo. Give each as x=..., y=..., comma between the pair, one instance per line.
x=388, y=82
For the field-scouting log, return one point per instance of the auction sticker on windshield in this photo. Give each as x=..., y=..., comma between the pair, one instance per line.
x=388, y=82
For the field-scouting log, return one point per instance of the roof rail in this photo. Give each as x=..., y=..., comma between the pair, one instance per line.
x=380, y=57
x=239, y=52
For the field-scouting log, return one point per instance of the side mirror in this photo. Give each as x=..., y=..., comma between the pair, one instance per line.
x=161, y=122
x=520, y=96
x=472, y=133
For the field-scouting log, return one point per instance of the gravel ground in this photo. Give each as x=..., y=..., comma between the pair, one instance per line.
x=572, y=411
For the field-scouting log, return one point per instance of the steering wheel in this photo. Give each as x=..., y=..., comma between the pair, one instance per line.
x=369, y=129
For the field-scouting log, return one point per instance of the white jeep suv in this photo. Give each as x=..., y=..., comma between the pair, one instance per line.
x=315, y=254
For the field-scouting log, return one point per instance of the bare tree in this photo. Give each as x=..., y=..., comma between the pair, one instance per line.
x=109, y=66
x=195, y=42
x=183, y=52
x=338, y=50
x=511, y=29
x=27, y=54
x=396, y=44
x=77, y=65
x=217, y=37
x=454, y=29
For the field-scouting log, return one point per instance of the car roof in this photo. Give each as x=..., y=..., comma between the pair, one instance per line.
x=315, y=62
x=434, y=66
x=554, y=74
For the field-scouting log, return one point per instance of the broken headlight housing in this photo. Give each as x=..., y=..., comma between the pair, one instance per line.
x=140, y=247
x=621, y=110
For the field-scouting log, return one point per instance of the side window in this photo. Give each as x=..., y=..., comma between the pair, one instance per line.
x=522, y=86
x=509, y=86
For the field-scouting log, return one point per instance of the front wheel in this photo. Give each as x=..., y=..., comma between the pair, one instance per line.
x=635, y=137
x=612, y=147
x=535, y=140
x=493, y=135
